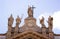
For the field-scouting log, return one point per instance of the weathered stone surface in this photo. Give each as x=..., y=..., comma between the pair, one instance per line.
x=30, y=30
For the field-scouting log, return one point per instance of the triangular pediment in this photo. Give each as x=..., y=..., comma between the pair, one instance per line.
x=29, y=34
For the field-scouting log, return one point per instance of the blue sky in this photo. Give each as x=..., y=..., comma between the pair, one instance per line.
x=19, y=7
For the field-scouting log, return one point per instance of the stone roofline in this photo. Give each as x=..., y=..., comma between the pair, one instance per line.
x=57, y=34
x=3, y=34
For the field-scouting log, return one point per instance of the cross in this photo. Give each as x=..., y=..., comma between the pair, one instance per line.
x=32, y=8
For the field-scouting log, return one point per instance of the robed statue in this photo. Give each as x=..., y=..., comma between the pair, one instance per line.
x=30, y=11
x=42, y=22
x=50, y=21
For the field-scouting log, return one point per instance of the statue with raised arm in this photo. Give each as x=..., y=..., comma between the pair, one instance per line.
x=30, y=11
x=50, y=21
x=42, y=22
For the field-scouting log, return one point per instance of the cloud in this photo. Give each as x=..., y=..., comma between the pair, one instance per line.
x=56, y=20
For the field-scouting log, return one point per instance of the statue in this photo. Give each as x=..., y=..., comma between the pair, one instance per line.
x=50, y=21
x=18, y=20
x=42, y=22
x=30, y=11
x=10, y=20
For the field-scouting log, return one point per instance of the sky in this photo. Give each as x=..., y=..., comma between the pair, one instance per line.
x=44, y=8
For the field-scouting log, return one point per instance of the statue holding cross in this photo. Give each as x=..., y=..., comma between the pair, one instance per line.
x=30, y=11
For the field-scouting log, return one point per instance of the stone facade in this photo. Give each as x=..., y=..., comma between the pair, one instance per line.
x=30, y=30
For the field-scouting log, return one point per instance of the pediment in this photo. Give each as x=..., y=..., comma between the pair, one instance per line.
x=29, y=35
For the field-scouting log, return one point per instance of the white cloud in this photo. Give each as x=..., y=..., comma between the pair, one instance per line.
x=56, y=20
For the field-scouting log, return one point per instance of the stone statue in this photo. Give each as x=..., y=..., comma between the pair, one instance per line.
x=42, y=22
x=18, y=20
x=10, y=20
x=50, y=21
x=30, y=11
